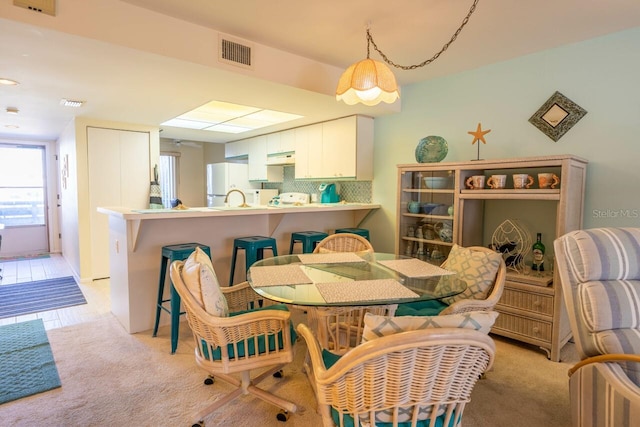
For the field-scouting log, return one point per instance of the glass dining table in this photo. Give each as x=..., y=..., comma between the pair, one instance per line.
x=337, y=289
x=351, y=279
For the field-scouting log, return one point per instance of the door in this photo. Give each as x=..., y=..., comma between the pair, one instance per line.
x=23, y=200
x=118, y=176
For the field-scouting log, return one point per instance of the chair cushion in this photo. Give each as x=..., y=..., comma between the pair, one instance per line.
x=349, y=421
x=421, y=308
x=477, y=268
x=621, y=341
x=217, y=354
x=379, y=326
x=200, y=278
x=604, y=253
x=609, y=304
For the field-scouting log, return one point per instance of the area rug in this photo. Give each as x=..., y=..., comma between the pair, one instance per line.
x=41, y=295
x=23, y=257
x=26, y=361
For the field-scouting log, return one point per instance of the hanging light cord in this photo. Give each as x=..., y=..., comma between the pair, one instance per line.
x=434, y=57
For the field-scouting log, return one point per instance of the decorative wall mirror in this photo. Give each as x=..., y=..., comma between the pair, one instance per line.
x=557, y=115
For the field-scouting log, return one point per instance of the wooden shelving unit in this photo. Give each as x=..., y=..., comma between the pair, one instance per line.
x=531, y=309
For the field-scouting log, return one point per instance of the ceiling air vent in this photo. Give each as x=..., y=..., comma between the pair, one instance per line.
x=234, y=51
x=43, y=6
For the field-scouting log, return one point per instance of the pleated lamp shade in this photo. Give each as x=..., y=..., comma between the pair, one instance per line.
x=368, y=82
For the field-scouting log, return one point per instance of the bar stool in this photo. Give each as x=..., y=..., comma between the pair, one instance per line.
x=170, y=253
x=309, y=240
x=254, y=247
x=359, y=231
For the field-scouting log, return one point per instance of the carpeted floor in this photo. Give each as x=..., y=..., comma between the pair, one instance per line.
x=112, y=378
x=41, y=295
x=26, y=362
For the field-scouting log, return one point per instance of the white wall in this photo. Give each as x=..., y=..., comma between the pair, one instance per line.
x=600, y=75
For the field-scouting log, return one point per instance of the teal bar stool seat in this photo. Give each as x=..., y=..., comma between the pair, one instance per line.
x=359, y=231
x=170, y=253
x=309, y=240
x=254, y=247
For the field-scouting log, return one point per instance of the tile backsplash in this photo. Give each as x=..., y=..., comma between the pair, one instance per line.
x=349, y=191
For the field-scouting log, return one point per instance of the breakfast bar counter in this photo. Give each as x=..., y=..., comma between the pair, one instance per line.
x=136, y=237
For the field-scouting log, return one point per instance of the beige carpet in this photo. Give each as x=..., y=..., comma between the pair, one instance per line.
x=111, y=378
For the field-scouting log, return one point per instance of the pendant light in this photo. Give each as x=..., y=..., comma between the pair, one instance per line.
x=370, y=82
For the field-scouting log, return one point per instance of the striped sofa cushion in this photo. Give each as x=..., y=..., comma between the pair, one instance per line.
x=610, y=304
x=621, y=341
x=605, y=253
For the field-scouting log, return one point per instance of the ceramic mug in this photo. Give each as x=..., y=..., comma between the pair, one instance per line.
x=475, y=182
x=546, y=180
x=497, y=181
x=522, y=180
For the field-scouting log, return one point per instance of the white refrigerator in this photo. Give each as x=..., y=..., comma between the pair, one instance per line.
x=222, y=177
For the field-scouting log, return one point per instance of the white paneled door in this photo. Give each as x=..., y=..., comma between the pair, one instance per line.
x=118, y=176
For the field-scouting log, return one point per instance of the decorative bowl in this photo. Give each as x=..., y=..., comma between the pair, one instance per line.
x=428, y=207
x=431, y=149
x=436, y=182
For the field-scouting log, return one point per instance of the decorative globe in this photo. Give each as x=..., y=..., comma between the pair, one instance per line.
x=431, y=149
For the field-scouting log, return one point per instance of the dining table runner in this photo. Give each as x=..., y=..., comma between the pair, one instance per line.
x=329, y=258
x=364, y=290
x=415, y=268
x=274, y=275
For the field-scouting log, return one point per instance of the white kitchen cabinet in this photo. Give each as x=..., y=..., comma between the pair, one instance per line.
x=119, y=175
x=258, y=169
x=236, y=149
x=337, y=150
x=281, y=142
x=308, y=148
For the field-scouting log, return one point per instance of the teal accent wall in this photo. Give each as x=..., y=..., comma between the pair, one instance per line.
x=601, y=75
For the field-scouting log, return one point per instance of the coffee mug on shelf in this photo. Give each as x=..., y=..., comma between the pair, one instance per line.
x=522, y=180
x=497, y=181
x=548, y=180
x=475, y=182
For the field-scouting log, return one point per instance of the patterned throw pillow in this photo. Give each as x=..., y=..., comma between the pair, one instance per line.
x=200, y=278
x=477, y=268
x=379, y=326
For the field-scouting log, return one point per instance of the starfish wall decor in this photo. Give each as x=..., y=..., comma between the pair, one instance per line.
x=478, y=135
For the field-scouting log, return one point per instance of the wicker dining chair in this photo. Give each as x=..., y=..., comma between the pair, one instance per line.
x=408, y=377
x=343, y=242
x=227, y=345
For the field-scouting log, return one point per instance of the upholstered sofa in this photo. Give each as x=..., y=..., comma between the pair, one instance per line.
x=600, y=275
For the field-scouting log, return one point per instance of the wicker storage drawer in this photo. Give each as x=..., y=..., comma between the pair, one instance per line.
x=526, y=327
x=530, y=301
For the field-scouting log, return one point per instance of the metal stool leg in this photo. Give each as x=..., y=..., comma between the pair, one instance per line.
x=163, y=275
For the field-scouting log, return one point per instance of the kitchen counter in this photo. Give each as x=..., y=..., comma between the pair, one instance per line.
x=136, y=237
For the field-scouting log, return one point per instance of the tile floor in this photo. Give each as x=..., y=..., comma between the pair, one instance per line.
x=96, y=293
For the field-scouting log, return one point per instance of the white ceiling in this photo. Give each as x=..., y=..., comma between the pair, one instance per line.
x=122, y=81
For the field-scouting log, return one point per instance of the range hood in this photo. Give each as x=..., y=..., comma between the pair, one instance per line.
x=281, y=159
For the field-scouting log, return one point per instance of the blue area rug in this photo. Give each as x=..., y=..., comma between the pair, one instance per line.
x=26, y=361
x=42, y=295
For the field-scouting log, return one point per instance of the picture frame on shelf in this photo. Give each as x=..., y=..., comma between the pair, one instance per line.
x=557, y=115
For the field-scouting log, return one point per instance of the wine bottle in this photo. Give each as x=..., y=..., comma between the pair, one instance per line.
x=538, y=254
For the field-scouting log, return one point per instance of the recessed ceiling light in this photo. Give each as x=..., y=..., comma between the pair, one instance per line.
x=12, y=126
x=225, y=117
x=8, y=82
x=71, y=103
x=12, y=110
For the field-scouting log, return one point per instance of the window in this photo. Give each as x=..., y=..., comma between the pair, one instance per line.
x=22, y=189
x=169, y=177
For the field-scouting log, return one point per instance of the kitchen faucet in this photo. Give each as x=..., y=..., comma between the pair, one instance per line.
x=244, y=198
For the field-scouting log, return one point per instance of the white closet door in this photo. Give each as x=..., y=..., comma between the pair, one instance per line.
x=118, y=163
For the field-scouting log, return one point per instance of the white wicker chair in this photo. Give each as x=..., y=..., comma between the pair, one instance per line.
x=239, y=334
x=600, y=276
x=406, y=374
x=343, y=242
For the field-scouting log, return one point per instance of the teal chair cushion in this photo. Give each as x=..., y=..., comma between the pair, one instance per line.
x=216, y=354
x=421, y=308
x=329, y=360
